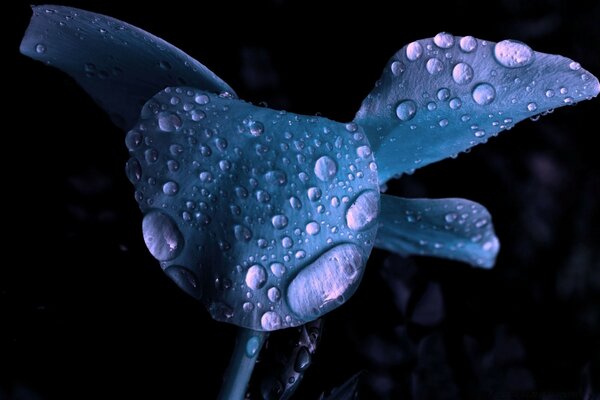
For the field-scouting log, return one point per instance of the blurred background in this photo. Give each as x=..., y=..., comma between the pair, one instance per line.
x=85, y=311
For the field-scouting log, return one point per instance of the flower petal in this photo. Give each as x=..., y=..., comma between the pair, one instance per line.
x=440, y=96
x=119, y=65
x=457, y=229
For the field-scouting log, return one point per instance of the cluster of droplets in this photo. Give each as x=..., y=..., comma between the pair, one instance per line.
x=270, y=198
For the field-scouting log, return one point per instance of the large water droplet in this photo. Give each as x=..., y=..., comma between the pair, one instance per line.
x=468, y=44
x=325, y=168
x=256, y=277
x=364, y=211
x=161, y=235
x=406, y=110
x=270, y=321
x=512, y=54
x=484, y=94
x=462, y=73
x=443, y=40
x=168, y=122
x=319, y=286
x=279, y=221
x=414, y=51
x=434, y=66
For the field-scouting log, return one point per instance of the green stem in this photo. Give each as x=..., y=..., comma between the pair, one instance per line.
x=247, y=346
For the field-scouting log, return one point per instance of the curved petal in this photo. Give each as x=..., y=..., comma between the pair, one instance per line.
x=440, y=96
x=457, y=229
x=119, y=65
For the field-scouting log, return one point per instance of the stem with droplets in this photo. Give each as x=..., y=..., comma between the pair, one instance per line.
x=247, y=347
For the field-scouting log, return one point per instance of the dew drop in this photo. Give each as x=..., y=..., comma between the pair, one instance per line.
x=279, y=221
x=252, y=346
x=242, y=233
x=185, y=279
x=414, y=50
x=434, y=66
x=303, y=359
x=40, y=48
x=483, y=94
x=574, y=66
x=455, y=103
x=270, y=321
x=513, y=54
x=406, y=110
x=256, y=277
x=278, y=269
x=274, y=294
x=397, y=68
x=134, y=170
x=363, y=211
x=443, y=122
x=363, y=151
x=168, y=122
x=295, y=203
x=479, y=133
x=256, y=128
x=276, y=177
x=443, y=94
x=161, y=235
x=450, y=217
x=549, y=93
x=287, y=242
x=468, y=44
x=312, y=228
x=531, y=107
x=325, y=168
x=443, y=40
x=462, y=73
x=170, y=188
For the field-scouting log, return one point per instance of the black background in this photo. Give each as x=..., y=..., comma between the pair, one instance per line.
x=85, y=312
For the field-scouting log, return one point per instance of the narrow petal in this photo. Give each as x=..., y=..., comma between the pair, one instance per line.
x=457, y=229
x=119, y=65
x=440, y=96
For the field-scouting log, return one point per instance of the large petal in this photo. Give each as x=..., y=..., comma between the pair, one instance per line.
x=440, y=96
x=119, y=65
x=457, y=229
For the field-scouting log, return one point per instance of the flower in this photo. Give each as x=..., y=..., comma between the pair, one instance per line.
x=269, y=217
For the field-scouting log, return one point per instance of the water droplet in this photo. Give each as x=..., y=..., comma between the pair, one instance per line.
x=564, y=90
x=325, y=168
x=185, y=279
x=443, y=94
x=202, y=99
x=414, y=51
x=483, y=94
x=462, y=73
x=170, y=188
x=274, y=294
x=247, y=306
x=263, y=196
x=479, y=133
x=332, y=276
x=197, y=115
x=431, y=106
x=314, y=193
x=161, y=235
x=335, y=201
x=224, y=165
x=312, y=228
x=468, y=44
x=443, y=40
x=256, y=277
x=134, y=170
x=256, y=128
x=549, y=93
x=397, y=68
x=513, y=54
x=450, y=217
x=242, y=233
x=295, y=202
x=434, y=66
x=363, y=151
x=351, y=127
x=133, y=139
x=443, y=122
x=531, y=107
x=276, y=177
x=270, y=321
x=279, y=221
x=252, y=346
x=406, y=110
x=303, y=359
x=168, y=122
x=278, y=269
x=575, y=66
x=151, y=155
x=40, y=48
x=287, y=242
x=455, y=103
x=363, y=211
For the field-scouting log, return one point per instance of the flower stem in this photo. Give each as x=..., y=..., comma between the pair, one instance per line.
x=247, y=346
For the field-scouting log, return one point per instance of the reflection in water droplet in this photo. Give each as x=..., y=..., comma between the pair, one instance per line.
x=302, y=360
x=483, y=94
x=40, y=48
x=443, y=94
x=161, y=235
x=134, y=170
x=363, y=211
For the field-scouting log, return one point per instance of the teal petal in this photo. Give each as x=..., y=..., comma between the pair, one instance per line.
x=251, y=210
x=457, y=229
x=119, y=65
x=440, y=96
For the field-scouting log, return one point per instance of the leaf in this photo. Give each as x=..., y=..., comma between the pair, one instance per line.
x=119, y=65
x=440, y=96
x=456, y=229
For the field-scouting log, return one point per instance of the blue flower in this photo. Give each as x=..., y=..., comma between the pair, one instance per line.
x=269, y=217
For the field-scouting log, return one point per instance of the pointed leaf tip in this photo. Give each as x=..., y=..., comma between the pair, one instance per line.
x=438, y=97
x=119, y=65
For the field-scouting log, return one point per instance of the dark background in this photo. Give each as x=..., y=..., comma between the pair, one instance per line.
x=85, y=312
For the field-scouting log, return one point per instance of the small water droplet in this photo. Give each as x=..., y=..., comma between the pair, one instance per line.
x=443, y=94
x=252, y=346
x=455, y=103
x=256, y=128
x=468, y=44
x=549, y=93
x=462, y=73
x=278, y=269
x=164, y=65
x=276, y=177
x=312, y=228
x=575, y=66
x=256, y=277
x=414, y=51
x=185, y=279
x=431, y=106
x=434, y=66
x=450, y=217
x=40, y=48
x=170, y=188
x=479, y=133
x=406, y=110
x=397, y=68
x=151, y=155
x=242, y=233
x=513, y=54
x=263, y=196
x=161, y=235
x=287, y=242
x=314, y=193
x=443, y=122
x=483, y=94
x=274, y=294
x=325, y=168
x=443, y=40
x=295, y=203
x=363, y=151
x=202, y=99
x=531, y=107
